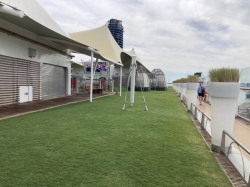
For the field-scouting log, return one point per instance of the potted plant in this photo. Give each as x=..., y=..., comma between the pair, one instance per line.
x=224, y=88
x=192, y=86
x=174, y=85
x=177, y=87
x=183, y=87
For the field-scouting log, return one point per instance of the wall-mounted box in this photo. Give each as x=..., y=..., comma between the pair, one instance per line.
x=32, y=53
x=25, y=94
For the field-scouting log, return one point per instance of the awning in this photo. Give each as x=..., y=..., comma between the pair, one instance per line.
x=76, y=65
x=56, y=35
x=102, y=40
x=35, y=19
x=126, y=58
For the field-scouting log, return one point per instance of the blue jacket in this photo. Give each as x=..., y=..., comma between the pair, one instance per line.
x=200, y=88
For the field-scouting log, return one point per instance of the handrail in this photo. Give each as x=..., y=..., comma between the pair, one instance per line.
x=185, y=101
x=204, y=117
x=224, y=133
x=243, y=117
x=223, y=151
x=238, y=143
x=202, y=112
x=179, y=95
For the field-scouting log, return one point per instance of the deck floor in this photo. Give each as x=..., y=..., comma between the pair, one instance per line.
x=34, y=106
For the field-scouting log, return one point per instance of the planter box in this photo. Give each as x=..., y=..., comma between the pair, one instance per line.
x=224, y=97
x=183, y=90
x=178, y=88
x=191, y=93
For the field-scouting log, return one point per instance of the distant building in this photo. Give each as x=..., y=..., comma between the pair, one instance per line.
x=116, y=29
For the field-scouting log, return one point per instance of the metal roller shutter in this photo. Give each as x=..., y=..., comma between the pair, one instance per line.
x=53, y=81
x=16, y=72
x=8, y=89
x=35, y=79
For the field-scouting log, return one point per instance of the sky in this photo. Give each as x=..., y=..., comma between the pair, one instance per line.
x=180, y=37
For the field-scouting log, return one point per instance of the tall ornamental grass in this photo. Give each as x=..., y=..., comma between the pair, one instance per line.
x=224, y=75
x=192, y=79
x=183, y=80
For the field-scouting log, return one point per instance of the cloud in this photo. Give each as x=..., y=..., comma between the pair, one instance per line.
x=198, y=25
x=178, y=36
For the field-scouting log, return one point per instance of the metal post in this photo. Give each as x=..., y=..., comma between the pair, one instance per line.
x=96, y=63
x=109, y=72
x=91, y=78
x=202, y=121
x=84, y=68
x=248, y=185
x=223, y=142
x=132, y=85
x=112, y=85
x=120, y=81
x=195, y=113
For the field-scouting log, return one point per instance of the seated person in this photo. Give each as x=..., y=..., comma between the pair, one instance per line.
x=98, y=67
x=88, y=68
x=103, y=68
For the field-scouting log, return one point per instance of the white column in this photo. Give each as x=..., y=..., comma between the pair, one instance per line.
x=132, y=85
x=68, y=78
x=96, y=63
x=91, y=78
x=120, y=80
x=109, y=72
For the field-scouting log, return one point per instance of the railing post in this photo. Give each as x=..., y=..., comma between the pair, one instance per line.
x=202, y=121
x=248, y=184
x=191, y=108
x=223, y=142
x=195, y=113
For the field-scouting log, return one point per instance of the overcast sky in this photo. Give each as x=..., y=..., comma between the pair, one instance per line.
x=178, y=36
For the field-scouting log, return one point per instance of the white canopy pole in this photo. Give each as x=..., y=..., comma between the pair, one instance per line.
x=120, y=81
x=91, y=78
x=96, y=63
x=132, y=84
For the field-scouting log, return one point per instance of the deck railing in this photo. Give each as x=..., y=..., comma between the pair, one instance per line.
x=232, y=153
x=204, y=120
x=185, y=101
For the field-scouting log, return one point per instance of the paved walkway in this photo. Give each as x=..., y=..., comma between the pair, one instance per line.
x=26, y=108
x=241, y=127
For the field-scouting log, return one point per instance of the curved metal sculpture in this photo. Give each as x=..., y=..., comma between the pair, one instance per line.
x=158, y=80
x=142, y=81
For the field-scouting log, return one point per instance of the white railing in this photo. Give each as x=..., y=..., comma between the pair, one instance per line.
x=238, y=155
x=204, y=120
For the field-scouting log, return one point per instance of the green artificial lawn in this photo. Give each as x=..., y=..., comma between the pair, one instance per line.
x=98, y=144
